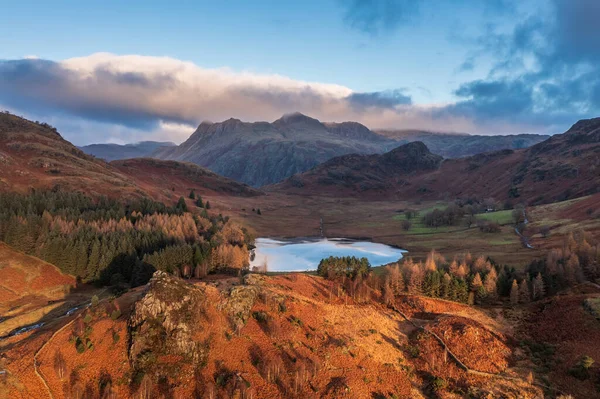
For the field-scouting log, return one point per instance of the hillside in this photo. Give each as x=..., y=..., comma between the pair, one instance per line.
x=28, y=283
x=369, y=173
x=278, y=337
x=35, y=156
x=264, y=153
x=111, y=152
x=155, y=175
x=562, y=167
x=452, y=145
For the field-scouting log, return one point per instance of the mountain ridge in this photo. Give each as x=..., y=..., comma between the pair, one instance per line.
x=264, y=153
x=562, y=167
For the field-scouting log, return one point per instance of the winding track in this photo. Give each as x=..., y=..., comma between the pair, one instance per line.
x=460, y=364
x=35, y=361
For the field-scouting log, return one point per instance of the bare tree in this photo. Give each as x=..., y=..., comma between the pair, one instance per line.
x=60, y=365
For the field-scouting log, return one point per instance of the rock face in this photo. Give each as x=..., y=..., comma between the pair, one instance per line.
x=263, y=153
x=164, y=320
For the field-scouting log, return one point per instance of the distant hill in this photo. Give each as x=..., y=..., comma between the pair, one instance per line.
x=562, y=167
x=356, y=173
x=35, y=156
x=453, y=145
x=264, y=153
x=111, y=152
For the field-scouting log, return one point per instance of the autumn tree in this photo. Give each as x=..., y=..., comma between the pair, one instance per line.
x=538, y=287
x=388, y=293
x=524, y=295
x=396, y=279
x=514, y=293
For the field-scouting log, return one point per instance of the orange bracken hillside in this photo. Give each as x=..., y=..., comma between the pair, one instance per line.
x=25, y=278
x=277, y=337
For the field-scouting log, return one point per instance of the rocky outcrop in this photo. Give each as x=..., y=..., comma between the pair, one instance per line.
x=240, y=300
x=164, y=320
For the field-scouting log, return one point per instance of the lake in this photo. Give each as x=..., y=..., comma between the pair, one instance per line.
x=305, y=254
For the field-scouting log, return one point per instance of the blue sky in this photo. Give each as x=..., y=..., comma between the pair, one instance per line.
x=495, y=66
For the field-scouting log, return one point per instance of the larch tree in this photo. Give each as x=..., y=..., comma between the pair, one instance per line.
x=538, y=287
x=514, y=293
x=524, y=294
x=476, y=283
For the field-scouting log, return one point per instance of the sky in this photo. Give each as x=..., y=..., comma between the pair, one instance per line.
x=114, y=71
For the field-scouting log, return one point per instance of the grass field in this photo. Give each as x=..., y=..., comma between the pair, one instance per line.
x=500, y=217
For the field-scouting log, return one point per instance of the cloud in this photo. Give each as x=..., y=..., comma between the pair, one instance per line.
x=104, y=96
x=379, y=99
x=378, y=16
x=138, y=91
x=546, y=71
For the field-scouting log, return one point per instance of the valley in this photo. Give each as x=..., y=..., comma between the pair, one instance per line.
x=132, y=278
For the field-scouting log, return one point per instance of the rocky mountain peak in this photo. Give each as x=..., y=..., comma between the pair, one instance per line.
x=297, y=118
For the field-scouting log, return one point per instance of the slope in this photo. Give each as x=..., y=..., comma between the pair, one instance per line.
x=35, y=156
x=111, y=152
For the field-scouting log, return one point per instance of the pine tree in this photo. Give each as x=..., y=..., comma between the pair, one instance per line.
x=207, y=206
x=181, y=205
x=192, y=195
x=514, y=293
x=538, y=287
x=446, y=286
x=199, y=202
x=258, y=212
x=524, y=295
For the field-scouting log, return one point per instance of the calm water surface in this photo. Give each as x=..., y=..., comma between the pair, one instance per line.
x=305, y=254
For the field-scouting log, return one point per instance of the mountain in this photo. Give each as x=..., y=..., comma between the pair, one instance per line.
x=263, y=153
x=35, y=156
x=111, y=152
x=564, y=166
x=453, y=145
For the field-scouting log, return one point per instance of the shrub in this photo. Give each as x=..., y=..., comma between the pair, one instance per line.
x=438, y=383
x=406, y=225
x=95, y=301
x=581, y=370
x=87, y=319
x=260, y=316
x=79, y=345
x=115, y=314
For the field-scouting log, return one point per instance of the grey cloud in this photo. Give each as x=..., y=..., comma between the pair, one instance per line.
x=379, y=99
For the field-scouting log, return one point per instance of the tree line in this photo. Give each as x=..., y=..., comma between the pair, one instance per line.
x=113, y=242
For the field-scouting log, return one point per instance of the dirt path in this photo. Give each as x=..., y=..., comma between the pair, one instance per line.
x=463, y=366
x=35, y=361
